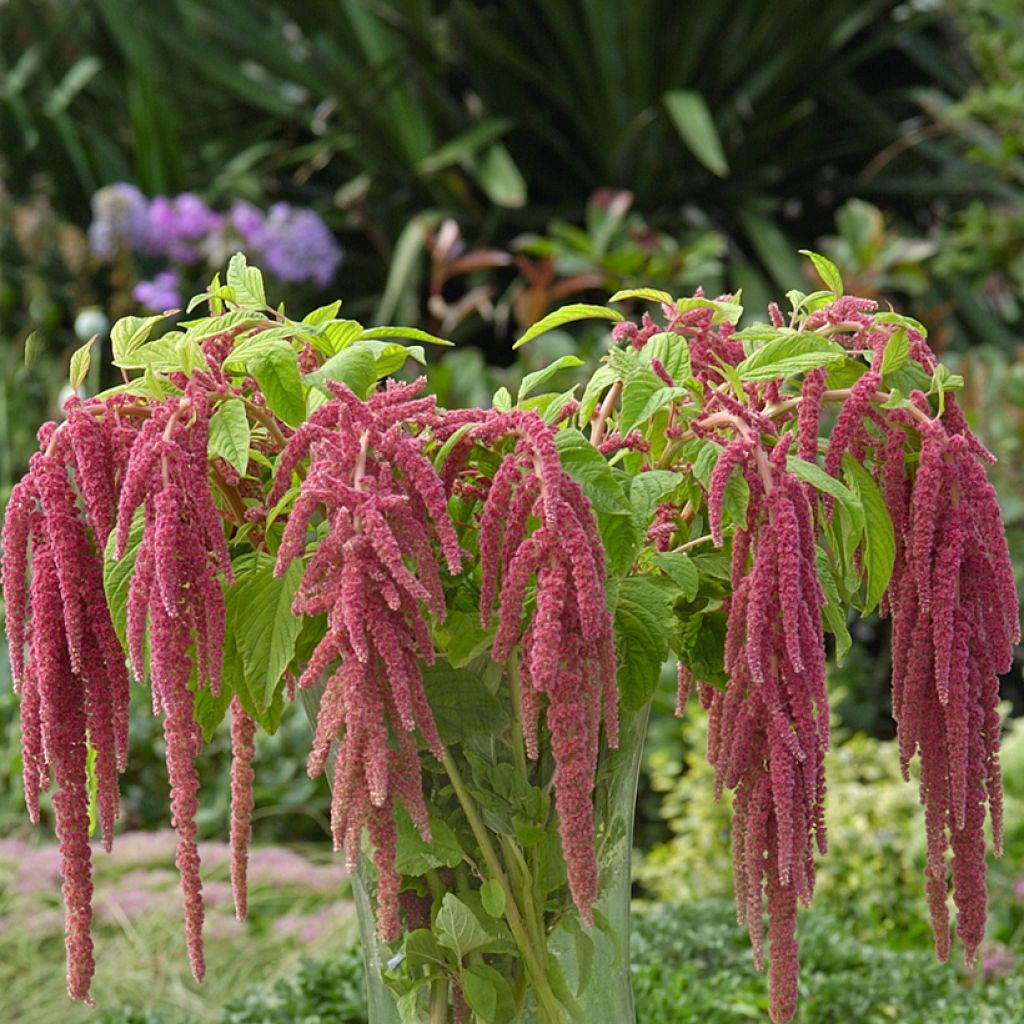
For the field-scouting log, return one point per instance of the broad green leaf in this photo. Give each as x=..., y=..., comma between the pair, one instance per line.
x=567, y=315
x=502, y=399
x=390, y=356
x=354, y=366
x=208, y=710
x=681, y=569
x=723, y=310
x=642, y=396
x=277, y=373
x=117, y=575
x=415, y=857
x=835, y=610
x=582, y=461
x=701, y=642
x=878, y=553
x=642, y=619
x=673, y=352
x=793, y=353
x=649, y=489
x=410, y=333
x=827, y=271
x=246, y=281
x=500, y=179
x=906, y=322
x=821, y=481
x=230, y=435
x=162, y=354
x=896, y=353
x=208, y=326
x=336, y=336
x=464, y=639
x=422, y=949
x=322, y=314
x=602, y=378
x=457, y=927
x=480, y=994
x=492, y=895
x=80, y=360
x=692, y=119
x=266, y=714
x=532, y=381
x=461, y=703
x=465, y=145
x=647, y=294
x=907, y=378
x=259, y=614
x=129, y=333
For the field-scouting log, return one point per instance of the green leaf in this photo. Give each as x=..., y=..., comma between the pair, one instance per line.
x=827, y=271
x=602, y=378
x=793, y=353
x=692, y=119
x=80, y=360
x=567, y=315
x=129, y=333
x=322, y=314
x=390, y=356
x=277, y=373
x=410, y=333
x=701, y=640
x=208, y=710
x=897, y=352
x=354, y=366
x=642, y=396
x=820, y=480
x=246, y=281
x=502, y=399
x=532, y=381
x=724, y=311
x=642, y=621
x=251, y=696
x=673, y=352
x=647, y=294
x=492, y=895
x=834, y=611
x=117, y=575
x=587, y=466
x=649, y=489
x=681, y=569
x=906, y=322
x=336, y=336
x=415, y=857
x=259, y=614
x=457, y=927
x=465, y=638
x=162, y=354
x=422, y=949
x=480, y=994
x=879, y=549
x=499, y=177
x=229, y=435
x=461, y=703
x=465, y=145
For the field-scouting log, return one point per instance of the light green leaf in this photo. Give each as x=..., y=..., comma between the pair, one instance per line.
x=647, y=294
x=673, y=352
x=723, y=310
x=502, y=399
x=410, y=333
x=422, y=949
x=129, y=333
x=246, y=281
x=642, y=396
x=277, y=373
x=692, y=119
x=334, y=337
x=322, y=314
x=499, y=177
x=259, y=614
x=906, y=322
x=117, y=575
x=457, y=927
x=230, y=435
x=567, y=315
x=649, y=489
x=642, y=619
x=681, y=569
x=789, y=354
x=820, y=480
x=582, y=461
x=878, y=553
x=80, y=360
x=532, y=381
x=415, y=857
x=835, y=610
x=161, y=354
x=897, y=352
x=492, y=895
x=602, y=378
x=480, y=993
x=827, y=271
x=354, y=366
x=461, y=703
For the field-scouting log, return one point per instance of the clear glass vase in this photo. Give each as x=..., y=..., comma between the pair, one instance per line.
x=491, y=933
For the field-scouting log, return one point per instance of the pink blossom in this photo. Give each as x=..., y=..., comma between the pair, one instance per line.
x=243, y=730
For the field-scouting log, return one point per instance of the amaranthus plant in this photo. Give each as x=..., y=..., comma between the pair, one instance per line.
x=477, y=602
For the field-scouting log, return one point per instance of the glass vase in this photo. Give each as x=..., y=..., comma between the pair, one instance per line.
x=491, y=935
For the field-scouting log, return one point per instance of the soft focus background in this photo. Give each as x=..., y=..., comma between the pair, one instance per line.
x=464, y=166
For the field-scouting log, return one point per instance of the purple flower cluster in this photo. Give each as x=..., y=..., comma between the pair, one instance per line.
x=292, y=243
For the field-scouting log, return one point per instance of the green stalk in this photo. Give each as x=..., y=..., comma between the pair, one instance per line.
x=535, y=967
x=439, y=1001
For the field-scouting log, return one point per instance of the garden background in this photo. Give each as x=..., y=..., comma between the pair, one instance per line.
x=465, y=167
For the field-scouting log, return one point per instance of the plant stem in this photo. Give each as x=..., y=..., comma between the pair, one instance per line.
x=536, y=968
x=439, y=1001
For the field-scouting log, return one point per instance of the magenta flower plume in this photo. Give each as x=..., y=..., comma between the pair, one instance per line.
x=243, y=730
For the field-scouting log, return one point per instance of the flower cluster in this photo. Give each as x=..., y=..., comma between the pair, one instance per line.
x=373, y=574
x=293, y=243
x=568, y=652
